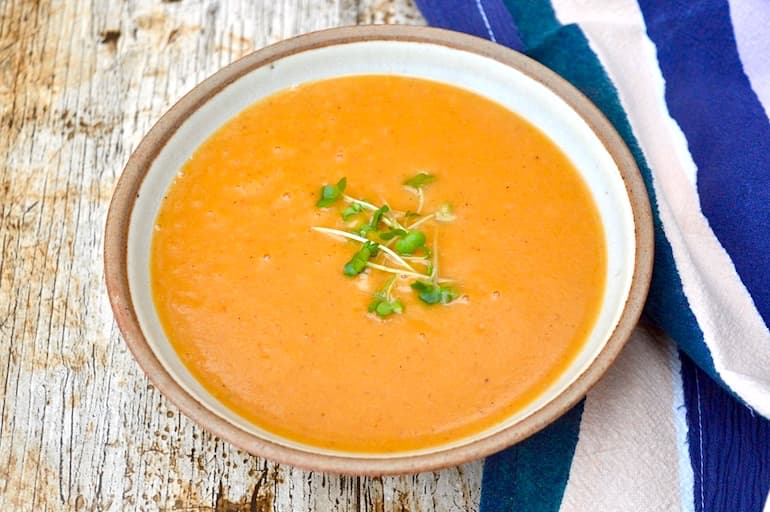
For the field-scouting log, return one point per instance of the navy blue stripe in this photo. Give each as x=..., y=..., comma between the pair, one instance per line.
x=468, y=16
x=727, y=131
x=532, y=475
x=502, y=24
x=729, y=447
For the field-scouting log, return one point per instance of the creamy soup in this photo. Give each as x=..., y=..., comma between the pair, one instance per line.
x=258, y=305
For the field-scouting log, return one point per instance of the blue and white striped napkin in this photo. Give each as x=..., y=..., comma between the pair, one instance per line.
x=679, y=426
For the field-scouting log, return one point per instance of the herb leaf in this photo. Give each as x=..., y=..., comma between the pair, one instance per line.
x=377, y=216
x=373, y=224
x=383, y=307
x=357, y=263
x=351, y=210
x=410, y=242
x=393, y=233
x=431, y=293
x=420, y=180
x=383, y=304
x=330, y=193
x=364, y=229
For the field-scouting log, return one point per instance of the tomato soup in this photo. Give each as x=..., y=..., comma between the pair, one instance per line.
x=258, y=305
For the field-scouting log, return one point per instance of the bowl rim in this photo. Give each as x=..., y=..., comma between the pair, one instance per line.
x=140, y=162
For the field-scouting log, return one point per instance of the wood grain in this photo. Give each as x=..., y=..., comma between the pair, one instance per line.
x=80, y=426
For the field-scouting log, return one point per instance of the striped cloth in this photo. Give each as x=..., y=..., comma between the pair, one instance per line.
x=682, y=424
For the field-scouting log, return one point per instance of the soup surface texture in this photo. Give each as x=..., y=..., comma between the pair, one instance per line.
x=257, y=306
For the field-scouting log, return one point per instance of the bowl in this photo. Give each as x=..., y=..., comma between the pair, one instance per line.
x=492, y=71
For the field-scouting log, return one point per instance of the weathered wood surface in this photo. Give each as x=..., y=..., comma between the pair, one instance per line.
x=81, y=428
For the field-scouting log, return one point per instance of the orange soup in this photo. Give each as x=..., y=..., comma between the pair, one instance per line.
x=258, y=305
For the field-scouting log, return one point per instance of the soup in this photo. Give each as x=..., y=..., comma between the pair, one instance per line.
x=252, y=280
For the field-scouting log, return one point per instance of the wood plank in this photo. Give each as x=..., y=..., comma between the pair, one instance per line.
x=80, y=426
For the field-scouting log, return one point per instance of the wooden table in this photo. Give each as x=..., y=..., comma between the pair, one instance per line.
x=81, y=428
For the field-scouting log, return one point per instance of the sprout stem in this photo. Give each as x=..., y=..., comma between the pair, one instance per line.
x=422, y=221
x=364, y=204
x=395, y=270
x=388, y=252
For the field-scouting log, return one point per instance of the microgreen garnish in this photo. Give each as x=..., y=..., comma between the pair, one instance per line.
x=358, y=262
x=432, y=293
x=420, y=180
x=375, y=222
x=330, y=193
x=410, y=242
x=364, y=229
x=351, y=210
x=384, y=309
x=416, y=184
x=396, y=230
x=383, y=304
x=391, y=254
x=392, y=234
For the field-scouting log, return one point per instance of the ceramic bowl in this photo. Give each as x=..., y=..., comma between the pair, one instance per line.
x=487, y=69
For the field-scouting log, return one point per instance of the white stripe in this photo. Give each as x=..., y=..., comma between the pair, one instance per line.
x=732, y=328
x=627, y=447
x=767, y=503
x=484, y=18
x=751, y=19
x=686, y=477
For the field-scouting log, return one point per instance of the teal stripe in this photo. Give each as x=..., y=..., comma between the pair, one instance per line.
x=532, y=475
